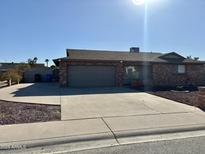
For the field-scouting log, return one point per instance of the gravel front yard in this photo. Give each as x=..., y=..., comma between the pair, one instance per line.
x=16, y=113
x=189, y=98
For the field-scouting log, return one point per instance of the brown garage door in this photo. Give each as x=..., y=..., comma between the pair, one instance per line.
x=91, y=76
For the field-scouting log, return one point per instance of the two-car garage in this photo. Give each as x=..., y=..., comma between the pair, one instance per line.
x=91, y=76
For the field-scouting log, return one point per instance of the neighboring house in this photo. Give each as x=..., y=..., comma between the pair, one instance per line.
x=29, y=75
x=6, y=66
x=93, y=68
x=41, y=74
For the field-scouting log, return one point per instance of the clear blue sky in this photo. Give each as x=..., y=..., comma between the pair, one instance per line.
x=45, y=28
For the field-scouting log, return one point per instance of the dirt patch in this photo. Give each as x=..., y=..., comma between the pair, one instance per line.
x=189, y=98
x=16, y=113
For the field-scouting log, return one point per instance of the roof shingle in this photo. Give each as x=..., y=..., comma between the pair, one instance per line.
x=81, y=54
x=112, y=55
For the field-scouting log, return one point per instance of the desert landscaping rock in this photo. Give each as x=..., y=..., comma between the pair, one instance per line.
x=189, y=98
x=16, y=113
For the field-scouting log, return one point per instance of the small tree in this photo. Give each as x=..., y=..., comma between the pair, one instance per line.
x=15, y=74
x=189, y=57
x=6, y=76
x=196, y=58
x=47, y=60
x=22, y=68
x=11, y=75
x=35, y=59
x=32, y=61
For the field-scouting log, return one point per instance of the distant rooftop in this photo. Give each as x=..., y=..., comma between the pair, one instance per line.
x=5, y=66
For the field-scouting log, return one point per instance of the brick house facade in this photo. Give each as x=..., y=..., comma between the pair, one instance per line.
x=162, y=72
x=166, y=75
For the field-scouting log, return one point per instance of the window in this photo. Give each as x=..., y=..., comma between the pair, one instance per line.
x=181, y=69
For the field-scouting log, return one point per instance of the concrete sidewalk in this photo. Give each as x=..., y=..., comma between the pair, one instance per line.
x=112, y=129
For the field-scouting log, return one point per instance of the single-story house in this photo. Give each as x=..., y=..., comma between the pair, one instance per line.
x=94, y=68
x=41, y=74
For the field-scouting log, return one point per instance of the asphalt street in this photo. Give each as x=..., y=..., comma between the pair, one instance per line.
x=189, y=145
x=180, y=146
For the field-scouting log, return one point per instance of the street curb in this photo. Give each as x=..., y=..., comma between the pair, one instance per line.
x=159, y=131
x=14, y=145
x=97, y=137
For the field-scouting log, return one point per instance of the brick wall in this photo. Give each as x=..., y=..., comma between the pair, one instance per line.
x=63, y=73
x=166, y=75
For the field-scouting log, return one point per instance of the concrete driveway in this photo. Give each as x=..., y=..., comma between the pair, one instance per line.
x=125, y=102
x=93, y=102
x=39, y=93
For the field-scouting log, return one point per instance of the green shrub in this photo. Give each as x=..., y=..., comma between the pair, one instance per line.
x=180, y=88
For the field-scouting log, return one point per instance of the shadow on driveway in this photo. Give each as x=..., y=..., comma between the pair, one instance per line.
x=53, y=89
x=36, y=89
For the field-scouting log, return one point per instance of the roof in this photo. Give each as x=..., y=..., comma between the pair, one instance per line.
x=81, y=54
x=112, y=55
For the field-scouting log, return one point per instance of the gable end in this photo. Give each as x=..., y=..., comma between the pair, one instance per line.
x=172, y=56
